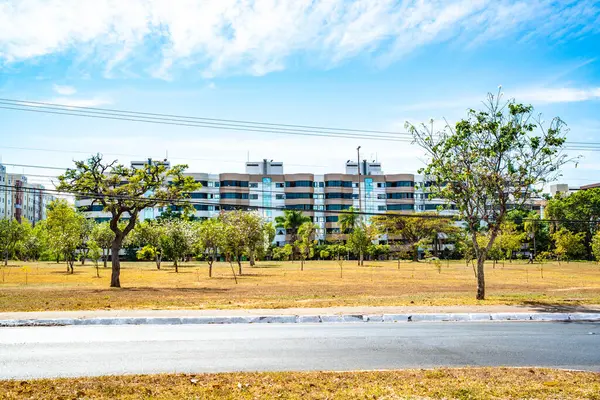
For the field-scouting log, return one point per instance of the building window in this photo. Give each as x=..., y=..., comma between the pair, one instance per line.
x=338, y=184
x=381, y=208
x=318, y=196
x=298, y=196
x=253, y=196
x=230, y=183
x=319, y=184
x=298, y=183
x=279, y=196
x=332, y=218
x=237, y=196
x=279, y=184
x=400, y=207
x=337, y=207
x=347, y=196
x=253, y=184
x=400, y=184
x=380, y=184
x=381, y=196
x=400, y=195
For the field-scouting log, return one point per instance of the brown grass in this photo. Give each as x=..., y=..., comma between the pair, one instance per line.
x=283, y=285
x=476, y=383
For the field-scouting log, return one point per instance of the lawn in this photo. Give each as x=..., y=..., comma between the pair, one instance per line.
x=47, y=286
x=475, y=383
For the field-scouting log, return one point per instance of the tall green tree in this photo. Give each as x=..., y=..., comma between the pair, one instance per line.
x=596, y=246
x=568, y=245
x=210, y=239
x=65, y=226
x=103, y=236
x=489, y=162
x=414, y=230
x=306, y=242
x=34, y=240
x=578, y=212
x=178, y=240
x=348, y=220
x=11, y=232
x=151, y=233
x=291, y=221
x=359, y=240
x=125, y=192
x=243, y=234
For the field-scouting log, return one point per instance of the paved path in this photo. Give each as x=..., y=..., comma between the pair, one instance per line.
x=295, y=311
x=33, y=352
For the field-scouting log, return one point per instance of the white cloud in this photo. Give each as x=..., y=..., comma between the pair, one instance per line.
x=211, y=86
x=64, y=90
x=219, y=37
x=557, y=95
x=79, y=102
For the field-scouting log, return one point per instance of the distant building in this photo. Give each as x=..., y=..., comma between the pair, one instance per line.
x=20, y=199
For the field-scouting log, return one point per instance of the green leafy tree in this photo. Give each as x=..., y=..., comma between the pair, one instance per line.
x=211, y=237
x=338, y=251
x=283, y=253
x=34, y=240
x=243, y=233
x=490, y=162
x=146, y=253
x=178, y=240
x=291, y=221
x=269, y=236
x=11, y=232
x=306, y=242
x=578, y=212
x=125, y=192
x=379, y=250
x=152, y=234
x=94, y=253
x=359, y=240
x=87, y=228
x=413, y=230
x=103, y=236
x=596, y=246
x=568, y=245
x=65, y=226
x=254, y=230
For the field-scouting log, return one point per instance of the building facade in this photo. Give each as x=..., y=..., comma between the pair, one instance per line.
x=20, y=199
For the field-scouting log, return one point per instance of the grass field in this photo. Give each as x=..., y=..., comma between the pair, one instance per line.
x=47, y=286
x=476, y=383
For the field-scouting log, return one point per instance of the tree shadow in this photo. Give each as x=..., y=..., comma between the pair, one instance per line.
x=161, y=290
x=538, y=306
x=67, y=273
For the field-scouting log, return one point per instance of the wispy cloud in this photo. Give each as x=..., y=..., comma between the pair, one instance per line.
x=220, y=37
x=80, y=102
x=64, y=90
x=557, y=95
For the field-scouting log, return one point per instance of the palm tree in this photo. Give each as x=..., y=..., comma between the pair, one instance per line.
x=291, y=221
x=349, y=220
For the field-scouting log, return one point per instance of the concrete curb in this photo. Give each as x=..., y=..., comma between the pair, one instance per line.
x=302, y=319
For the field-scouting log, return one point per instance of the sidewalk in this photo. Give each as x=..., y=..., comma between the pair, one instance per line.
x=302, y=315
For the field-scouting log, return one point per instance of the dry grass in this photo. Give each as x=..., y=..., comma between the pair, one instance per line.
x=479, y=383
x=283, y=285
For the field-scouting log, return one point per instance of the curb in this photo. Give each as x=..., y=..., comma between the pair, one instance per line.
x=303, y=319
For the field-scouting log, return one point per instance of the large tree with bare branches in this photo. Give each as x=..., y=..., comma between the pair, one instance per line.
x=494, y=160
x=125, y=192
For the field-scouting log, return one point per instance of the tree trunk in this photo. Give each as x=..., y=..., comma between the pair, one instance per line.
x=175, y=264
x=115, y=278
x=157, y=260
x=415, y=253
x=398, y=262
x=239, y=262
x=210, y=263
x=480, y=278
x=252, y=261
x=302, y=264
x=361, y=258
x=233, y=271
x=6, y=258
x=105, y=256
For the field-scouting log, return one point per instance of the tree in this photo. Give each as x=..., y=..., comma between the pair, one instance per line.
x=596, y=246
x=151, y=233
x=359, y=240
x=338, y=250
x=210, y=239
x=33, y=241
x=412, y=229
x=243, y=233
x=103, y=236
x=269, y=236
x=490, y=162
x=306, y=242
x=10, y=234
x=178, y=240
x=283, y=253
x=146, y=253
x=254, y=231
x=95, y=252
x=577, y=212
x=125, y=192
x=65, y=226
x=378, y=250
x=569, y=245
x=291, y=221
x=87, y=227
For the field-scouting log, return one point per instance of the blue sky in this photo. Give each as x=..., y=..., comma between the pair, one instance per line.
x=370, y=64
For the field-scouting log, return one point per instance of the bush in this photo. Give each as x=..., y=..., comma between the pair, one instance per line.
x=146, y=253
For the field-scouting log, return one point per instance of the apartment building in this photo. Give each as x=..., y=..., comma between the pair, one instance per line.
x=265, y=187
x=20, y=199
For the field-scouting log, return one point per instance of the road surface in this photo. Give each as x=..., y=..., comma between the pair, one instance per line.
x=35, y=352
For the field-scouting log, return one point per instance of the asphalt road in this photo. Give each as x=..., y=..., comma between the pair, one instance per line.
x=34, y=352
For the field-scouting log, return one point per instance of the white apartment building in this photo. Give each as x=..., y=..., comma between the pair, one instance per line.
x=20, y=199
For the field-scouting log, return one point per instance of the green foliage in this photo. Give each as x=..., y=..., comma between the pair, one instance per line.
x=360, y=238
x=568, y=245
x=151, y=234
x=283, y=253
x=348, y=220
x=490, y=161
x=378, y=250
x=596, y=246
x=125, y=192
x=11, y=232
x=291, y=222
x=243, y=233
x=146, y=253
x=306, y=242
x=211, y=237
x=65, y=230
x=178, y=240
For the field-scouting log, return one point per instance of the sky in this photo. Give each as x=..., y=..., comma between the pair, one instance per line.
x=359, y=64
